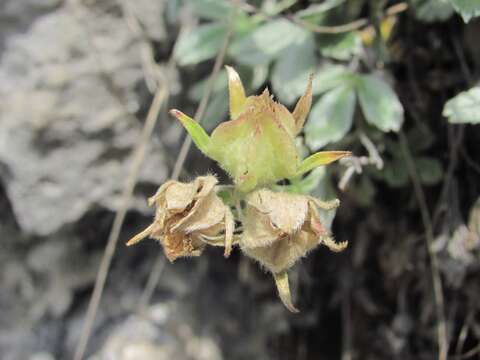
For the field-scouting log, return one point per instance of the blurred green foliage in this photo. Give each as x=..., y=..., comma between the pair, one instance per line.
x=279, y=43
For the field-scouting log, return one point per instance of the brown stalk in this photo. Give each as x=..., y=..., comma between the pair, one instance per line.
x=138, y=156
x=155, y=274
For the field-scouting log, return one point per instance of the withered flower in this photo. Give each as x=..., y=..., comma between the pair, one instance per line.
x=187, y=215
x=280, y=228
x=257, y=146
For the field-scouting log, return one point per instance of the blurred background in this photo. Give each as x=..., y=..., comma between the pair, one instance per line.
x=85, y=138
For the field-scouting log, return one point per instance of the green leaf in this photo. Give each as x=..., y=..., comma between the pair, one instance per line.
x=420, y=137
x=364, y=191
x=272, y=8
x=341, y=46
x=311, y=181
x=467, y=8
x=464, y=108
x=331, y=117
x=252, y=78
x=319, y=9
x=226, y=193
x=432, y=10
x=217, y=108
x=395, y=173
x=199, y=44
x=266, y=42
x=211, y=9
x=305, y=185
x=196, y=91
x=379, y=103
x=331, y=76
x=291, y=70
x=429, y=170
x=259, y=76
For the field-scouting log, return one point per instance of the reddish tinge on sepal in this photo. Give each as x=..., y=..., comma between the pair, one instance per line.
x=281, y=228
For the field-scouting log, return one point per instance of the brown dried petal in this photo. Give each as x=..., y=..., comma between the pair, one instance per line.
x=282, y=254
x=177, y=245
x=185, y=213
x=270, y=214
x=303, y=106
x=280, y=228
x=206, y=212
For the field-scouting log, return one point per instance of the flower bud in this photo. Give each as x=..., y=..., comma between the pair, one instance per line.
x=257, y=146
x=186, y=216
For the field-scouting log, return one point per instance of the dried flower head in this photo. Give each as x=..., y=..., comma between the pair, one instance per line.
x=280, y=228
x=186, y=215
x=257, y=149
x=257, y=146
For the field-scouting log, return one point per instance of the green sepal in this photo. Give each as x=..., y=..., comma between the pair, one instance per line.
x=198, y=134
x=319, y=159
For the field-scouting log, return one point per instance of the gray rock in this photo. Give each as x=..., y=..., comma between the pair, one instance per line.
x=161, y=334
x=61, y=266
x=149, y=13
x=67, y=99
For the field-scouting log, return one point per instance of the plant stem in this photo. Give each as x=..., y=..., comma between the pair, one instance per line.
x=429, y=237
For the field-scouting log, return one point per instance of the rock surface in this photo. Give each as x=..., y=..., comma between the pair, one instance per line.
x=68, y=101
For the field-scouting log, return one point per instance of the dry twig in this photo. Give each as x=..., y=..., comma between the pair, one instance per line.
x=137, y=161
x=138, y=155
x=336, y=29
x=457, y=134
x=154, y=276
x=355, y=164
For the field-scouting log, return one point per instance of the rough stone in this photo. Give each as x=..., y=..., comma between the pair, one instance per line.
x=67, y=124
x=157, y=337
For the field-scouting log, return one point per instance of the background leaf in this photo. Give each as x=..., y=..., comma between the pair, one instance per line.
x=432, y=10
x=429, y=170
x=211, y=9
x=420, y=137
x=259, y=76
x=331, y=117
x=379, y=103
x=319, y=9
x=341, y=46
x=264, y=43
x=364, y=191
x=467, y=8
x=291, y=70
x=330, y=76
x=199, y=44
x=216, y=111
x=305, y=185
x=196, y=91
x=464, y=108
x=395, y=173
